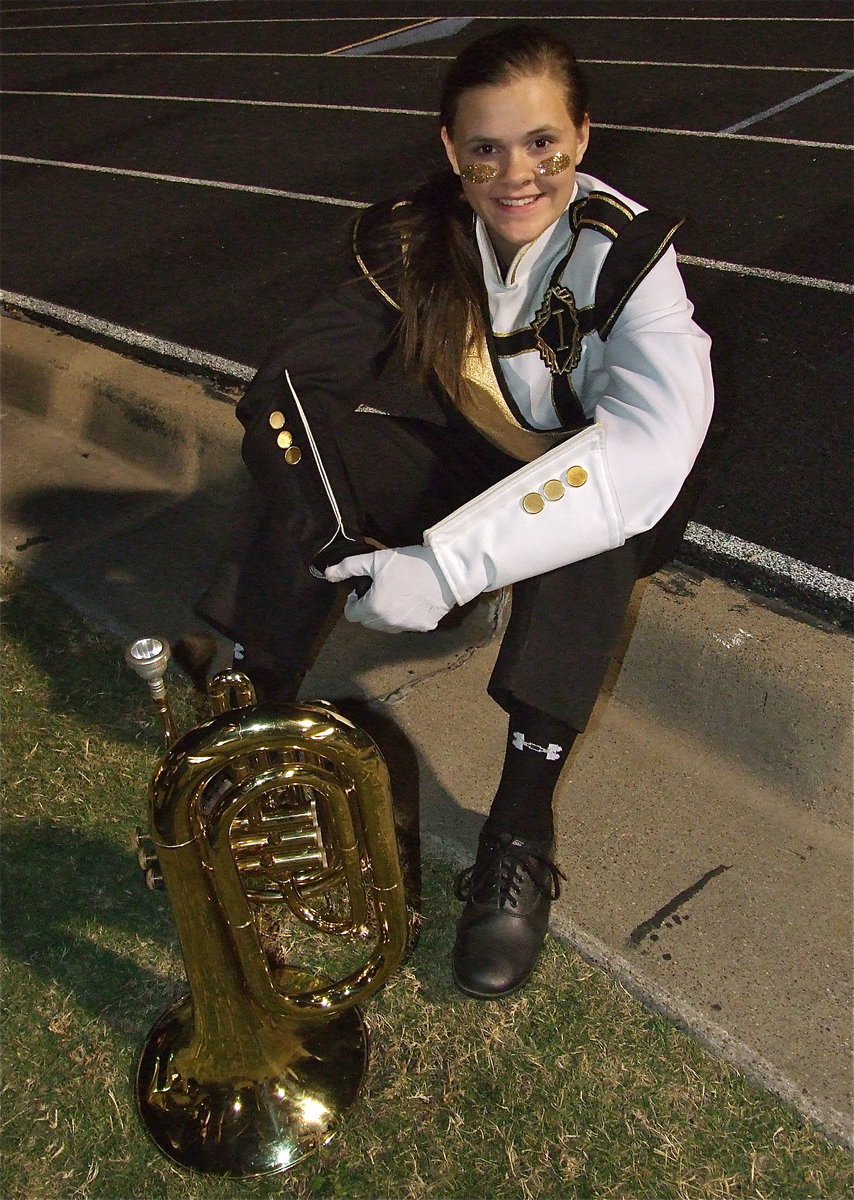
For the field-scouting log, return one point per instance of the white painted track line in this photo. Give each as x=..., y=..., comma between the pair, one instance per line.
x=842, y=77
x=365, y=108
x=604, y=62
x=830, y=285
x=186, y=179
x=420, y=112
x=613, y=18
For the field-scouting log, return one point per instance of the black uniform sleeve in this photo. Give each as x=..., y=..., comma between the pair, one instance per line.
x=338, y=346
x=346, y=344
x=341, y=355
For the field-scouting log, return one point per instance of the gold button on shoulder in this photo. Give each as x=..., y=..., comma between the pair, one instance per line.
x=553, y=489
x=284, y=439
x=277, y=420
x=576, y=476
x=292, y=455
x=533, y=503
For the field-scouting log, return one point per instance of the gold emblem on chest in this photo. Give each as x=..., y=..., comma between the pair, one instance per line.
x=557, y=332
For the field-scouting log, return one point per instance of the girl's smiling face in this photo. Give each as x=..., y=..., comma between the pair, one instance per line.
x=512, y=128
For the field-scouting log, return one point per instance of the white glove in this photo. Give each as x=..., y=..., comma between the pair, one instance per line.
x=408, y=592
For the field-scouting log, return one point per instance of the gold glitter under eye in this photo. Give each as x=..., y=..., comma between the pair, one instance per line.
x=554, y=164
x=478, y=172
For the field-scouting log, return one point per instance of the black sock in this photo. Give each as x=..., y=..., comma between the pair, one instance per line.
x=537, y=746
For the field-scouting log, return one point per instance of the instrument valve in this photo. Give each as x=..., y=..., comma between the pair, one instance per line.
x=146, y=856
x=154, y=880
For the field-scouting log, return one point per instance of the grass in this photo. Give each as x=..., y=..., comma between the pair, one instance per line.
x=570, y=1089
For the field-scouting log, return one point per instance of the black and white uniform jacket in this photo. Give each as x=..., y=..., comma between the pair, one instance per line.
x=592, y=349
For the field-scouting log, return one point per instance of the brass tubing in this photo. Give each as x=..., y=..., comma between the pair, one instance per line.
x=230, y=689
x=303, y=857
x=177, y=821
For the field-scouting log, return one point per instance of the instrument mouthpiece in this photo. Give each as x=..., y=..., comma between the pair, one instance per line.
x=149, y=657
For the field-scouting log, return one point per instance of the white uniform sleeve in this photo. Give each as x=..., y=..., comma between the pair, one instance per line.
x=653, y=395
x=650, y=388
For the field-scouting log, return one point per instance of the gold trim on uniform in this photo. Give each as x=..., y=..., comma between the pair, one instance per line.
x=482, y=403
x=366, y=270
x=611, y=199
x=608, y=230
x=518, y=353
x=518, y=262
x=523, y=328
x=662, y=247
x=579, y=221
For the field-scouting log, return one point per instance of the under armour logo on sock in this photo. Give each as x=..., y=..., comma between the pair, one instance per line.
x=552, y=751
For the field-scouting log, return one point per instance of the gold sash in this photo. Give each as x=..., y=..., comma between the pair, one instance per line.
x=483, y=405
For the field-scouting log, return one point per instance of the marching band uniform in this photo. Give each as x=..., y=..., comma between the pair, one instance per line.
x=560, y=471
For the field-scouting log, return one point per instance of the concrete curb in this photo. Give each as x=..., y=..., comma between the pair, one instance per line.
x=172, y=426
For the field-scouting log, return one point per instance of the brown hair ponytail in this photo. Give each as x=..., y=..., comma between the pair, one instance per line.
x=441, y=285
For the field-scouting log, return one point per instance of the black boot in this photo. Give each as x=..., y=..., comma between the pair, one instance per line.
x=508, y=894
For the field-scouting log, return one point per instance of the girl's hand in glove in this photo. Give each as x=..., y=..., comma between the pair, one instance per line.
x=408, y=590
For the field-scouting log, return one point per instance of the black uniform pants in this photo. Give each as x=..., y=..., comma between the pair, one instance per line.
x=392, y=478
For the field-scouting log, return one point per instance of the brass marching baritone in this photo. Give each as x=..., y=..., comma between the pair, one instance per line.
x=284, y=803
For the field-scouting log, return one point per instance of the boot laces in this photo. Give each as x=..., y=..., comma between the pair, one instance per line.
x=501, y=870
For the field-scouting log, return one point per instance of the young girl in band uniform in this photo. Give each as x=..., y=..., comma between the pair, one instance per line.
x=510, y=391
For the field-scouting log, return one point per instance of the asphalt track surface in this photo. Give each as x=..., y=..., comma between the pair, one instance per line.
x=178, y=177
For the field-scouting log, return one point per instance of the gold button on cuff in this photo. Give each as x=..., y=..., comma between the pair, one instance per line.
x=284, y=439
x=576, y=476
x=533, y=503
x=554, y=489
x=293, y=455
x=277, y=420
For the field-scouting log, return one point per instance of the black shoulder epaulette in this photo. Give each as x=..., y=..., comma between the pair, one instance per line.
x=633, y=255
x=600, y=211
x=377, y=247
x=639, y=240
